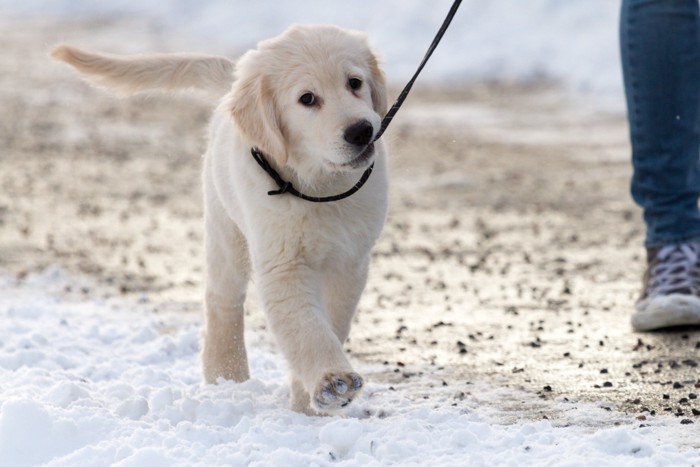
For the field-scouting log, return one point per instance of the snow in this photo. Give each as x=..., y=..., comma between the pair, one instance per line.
x=573, y=42
x=108, y=381
x=103, y=380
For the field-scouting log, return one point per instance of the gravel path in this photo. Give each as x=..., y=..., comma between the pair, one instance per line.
x=512, y=253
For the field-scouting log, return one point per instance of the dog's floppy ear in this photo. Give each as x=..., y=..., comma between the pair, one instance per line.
x=253, y=108
x=377, y=86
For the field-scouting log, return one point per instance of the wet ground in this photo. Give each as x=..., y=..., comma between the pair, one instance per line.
x=511, y=257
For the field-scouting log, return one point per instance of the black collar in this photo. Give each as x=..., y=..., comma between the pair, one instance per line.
x=287, y=187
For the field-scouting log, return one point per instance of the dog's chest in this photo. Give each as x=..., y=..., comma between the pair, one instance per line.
x=330, y=234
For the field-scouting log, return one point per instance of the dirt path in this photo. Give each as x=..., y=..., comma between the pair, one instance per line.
x=512, y=253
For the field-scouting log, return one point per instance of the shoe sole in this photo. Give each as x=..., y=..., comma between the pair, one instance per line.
x=666, y=311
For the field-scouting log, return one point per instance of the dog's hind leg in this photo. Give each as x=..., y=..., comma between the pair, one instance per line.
x=228, y=271
x=299, y=400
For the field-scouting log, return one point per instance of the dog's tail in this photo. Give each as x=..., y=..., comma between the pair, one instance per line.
x=131, y=74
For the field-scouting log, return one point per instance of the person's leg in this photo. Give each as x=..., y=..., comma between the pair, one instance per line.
x=660, y=50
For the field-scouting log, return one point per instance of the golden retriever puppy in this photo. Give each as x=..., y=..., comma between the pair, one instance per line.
x=311, y=100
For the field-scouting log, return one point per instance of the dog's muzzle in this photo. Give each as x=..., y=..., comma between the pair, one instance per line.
x=362, y=159
x=360, y=135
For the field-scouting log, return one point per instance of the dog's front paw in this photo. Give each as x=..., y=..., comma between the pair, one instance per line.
x=336, y=391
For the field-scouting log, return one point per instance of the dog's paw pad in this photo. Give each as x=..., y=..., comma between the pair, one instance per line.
x=336, y=391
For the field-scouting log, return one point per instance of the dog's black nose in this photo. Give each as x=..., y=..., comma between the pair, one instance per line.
x=359, y=134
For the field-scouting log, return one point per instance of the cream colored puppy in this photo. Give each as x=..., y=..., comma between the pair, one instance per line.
x=312, y=100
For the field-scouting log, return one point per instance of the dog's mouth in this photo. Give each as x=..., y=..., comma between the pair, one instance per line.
x=362, y=159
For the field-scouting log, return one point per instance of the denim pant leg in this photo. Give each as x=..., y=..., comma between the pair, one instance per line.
x=660, y=49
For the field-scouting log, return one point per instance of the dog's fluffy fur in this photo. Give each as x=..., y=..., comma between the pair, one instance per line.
x=309, y=260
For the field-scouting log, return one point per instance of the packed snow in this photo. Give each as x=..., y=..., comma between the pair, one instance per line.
x=106, y=381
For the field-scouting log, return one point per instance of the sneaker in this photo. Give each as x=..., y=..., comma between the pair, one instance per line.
x=671, y=288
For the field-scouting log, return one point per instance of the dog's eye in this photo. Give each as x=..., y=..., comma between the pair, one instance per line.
x=355, y=83
x=308, y=99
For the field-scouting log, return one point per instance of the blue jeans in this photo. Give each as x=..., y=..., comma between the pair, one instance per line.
x=660, y=48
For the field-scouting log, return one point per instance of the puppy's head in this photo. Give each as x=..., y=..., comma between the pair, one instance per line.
x=312, y=99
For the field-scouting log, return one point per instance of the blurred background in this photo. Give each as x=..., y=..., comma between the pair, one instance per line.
x=569, y=42
x=110, y=187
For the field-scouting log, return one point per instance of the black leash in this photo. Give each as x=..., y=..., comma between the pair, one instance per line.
x=287, y=187
x=441, y=32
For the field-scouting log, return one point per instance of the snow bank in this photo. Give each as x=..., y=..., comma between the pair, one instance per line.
x=101, y=382
x=572, y=41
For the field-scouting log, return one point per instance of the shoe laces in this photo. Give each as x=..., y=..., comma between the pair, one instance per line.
x=675, y=269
